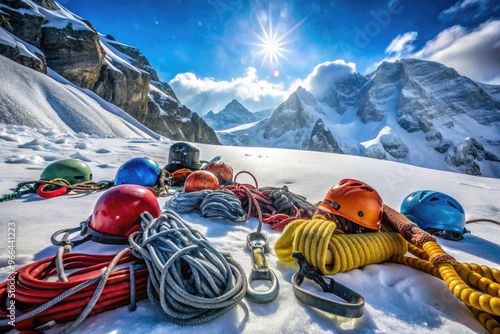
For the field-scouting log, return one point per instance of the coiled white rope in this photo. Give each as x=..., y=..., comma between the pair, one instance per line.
x=190, y=282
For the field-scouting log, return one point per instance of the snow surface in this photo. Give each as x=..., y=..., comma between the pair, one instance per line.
x=398, y=299
x=52, y=102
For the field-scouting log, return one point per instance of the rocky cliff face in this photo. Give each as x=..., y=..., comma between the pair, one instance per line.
x=321, y=139
x=118, y=73
x=290, y=115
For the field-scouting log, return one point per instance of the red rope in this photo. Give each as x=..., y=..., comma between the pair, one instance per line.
x=33, y=288
x=264, y=210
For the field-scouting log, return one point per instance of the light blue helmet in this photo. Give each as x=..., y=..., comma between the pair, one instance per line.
x=141, y=171
x=435, y=212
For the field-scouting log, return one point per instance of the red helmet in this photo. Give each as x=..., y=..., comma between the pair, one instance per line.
x=200, y=180
x=222, y=171
x=355, y=201
x=117, y=212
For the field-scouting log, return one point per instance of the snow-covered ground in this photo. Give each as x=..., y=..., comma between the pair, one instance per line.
x=398, y=299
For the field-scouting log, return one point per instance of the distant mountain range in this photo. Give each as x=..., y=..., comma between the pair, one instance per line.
x=234, y=114
x=70, y=78
x=411, y=111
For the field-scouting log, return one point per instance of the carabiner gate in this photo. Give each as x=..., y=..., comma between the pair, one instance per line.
x=259, y=245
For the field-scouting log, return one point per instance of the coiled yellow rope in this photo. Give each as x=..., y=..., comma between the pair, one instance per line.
x=331, y=251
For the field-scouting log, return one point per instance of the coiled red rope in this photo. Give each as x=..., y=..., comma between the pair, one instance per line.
x=261, y=206
x=33, y=289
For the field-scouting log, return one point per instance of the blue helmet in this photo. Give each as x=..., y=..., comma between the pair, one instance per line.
x=435, y=212
x=141, y=171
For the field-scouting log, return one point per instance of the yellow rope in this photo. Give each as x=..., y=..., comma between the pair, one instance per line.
x=332, y=251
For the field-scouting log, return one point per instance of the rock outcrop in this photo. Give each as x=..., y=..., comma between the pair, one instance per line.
x=118, y=73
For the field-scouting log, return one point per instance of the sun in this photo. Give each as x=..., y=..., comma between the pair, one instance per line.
x=272, y=46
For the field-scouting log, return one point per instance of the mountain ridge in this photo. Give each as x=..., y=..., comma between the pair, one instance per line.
x=403, y=109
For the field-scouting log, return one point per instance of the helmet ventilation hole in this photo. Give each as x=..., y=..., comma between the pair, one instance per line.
x=452, y=204
x=433, y=199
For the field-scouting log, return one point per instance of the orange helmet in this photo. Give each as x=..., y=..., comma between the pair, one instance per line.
x=200, y=180
x=355, y=201
x=223, y=172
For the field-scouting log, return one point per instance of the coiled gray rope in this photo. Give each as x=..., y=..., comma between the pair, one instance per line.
x=189, y=282
x=223, y=204
x=184, y=202
x=218, y=204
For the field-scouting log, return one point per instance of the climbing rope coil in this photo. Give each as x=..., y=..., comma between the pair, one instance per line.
x=189, y=281
x=94, y=286
x=331, y=251
x=213, y=204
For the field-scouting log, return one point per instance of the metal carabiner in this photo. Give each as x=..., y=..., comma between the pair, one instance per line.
x=259, y=245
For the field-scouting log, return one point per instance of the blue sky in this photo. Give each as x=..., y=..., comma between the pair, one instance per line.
x=211, y=51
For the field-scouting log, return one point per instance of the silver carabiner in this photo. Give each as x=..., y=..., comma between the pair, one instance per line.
x=258, y=244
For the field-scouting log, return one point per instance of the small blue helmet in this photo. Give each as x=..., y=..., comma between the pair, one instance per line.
x=141, y=171
x=435, y=212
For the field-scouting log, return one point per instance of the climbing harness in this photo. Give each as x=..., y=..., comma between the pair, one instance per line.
x=54, y=188
x=435, y=212
x=355, y=302
x=189, y=281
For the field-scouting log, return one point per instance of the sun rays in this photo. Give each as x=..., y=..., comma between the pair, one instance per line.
x=273, y=44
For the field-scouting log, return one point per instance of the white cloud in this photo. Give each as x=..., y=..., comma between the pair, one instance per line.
x=469, y=10
x=323, y=73
x=205, y=94
x=444, y=40
x=402, y=44
x=473, y=53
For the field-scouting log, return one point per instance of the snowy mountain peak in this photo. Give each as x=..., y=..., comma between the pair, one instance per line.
x=429, y=108
x=290, y=115
x=233, y=114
